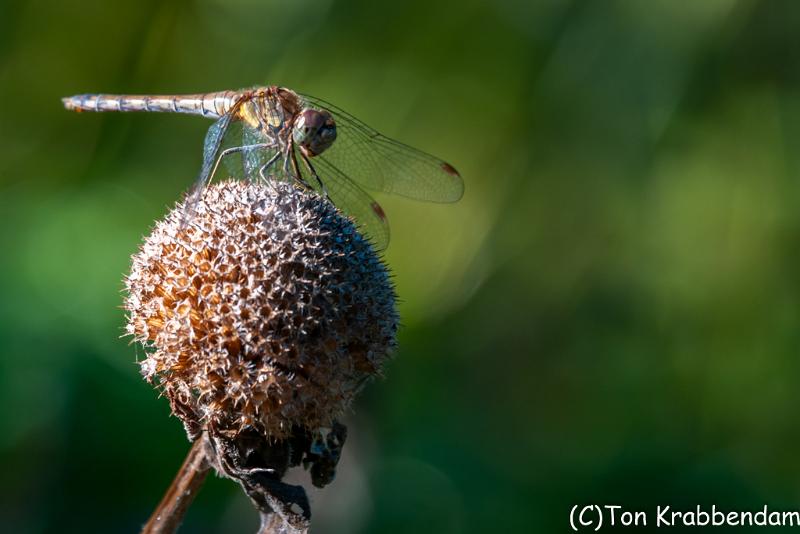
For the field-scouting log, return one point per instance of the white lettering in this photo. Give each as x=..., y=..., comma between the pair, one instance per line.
x=661, y=517
x=793, y=519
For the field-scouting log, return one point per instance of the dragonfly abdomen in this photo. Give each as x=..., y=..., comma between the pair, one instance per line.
x=211, y=105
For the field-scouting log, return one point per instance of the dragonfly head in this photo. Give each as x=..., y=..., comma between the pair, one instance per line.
x=314, y=131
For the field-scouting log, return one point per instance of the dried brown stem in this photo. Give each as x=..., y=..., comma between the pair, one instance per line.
x=168, y=516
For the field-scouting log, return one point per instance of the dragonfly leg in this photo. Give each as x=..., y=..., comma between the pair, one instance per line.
x=198, y=190
x=313, y=172
x=235, y=149
x=296, y=168
x=262, y=172
x=286, y=161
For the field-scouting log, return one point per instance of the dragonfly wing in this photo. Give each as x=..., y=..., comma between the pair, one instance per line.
x=211, y=150
x=255, y=156
x=379, y=163
x=232, y=161
x=352, y=200
x=243, y=152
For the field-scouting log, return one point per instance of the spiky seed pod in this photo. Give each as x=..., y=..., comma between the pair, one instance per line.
x=268, y=310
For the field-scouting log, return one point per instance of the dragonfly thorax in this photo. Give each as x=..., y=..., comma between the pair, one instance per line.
x=314, y=131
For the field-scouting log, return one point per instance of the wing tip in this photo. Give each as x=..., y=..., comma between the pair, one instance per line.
x=449, y=169
x=380, y=242
x=453, y=173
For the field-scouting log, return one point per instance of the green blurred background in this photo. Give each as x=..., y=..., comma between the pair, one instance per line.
x=610, y=315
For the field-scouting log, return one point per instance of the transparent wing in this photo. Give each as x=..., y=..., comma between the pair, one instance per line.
x=258, y=159
x=211, y=150
x=241, y=150
x=248, y=163
x=379, y=163
x=244, y=152
x=350, y=199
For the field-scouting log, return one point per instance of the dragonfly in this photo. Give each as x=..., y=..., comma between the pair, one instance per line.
x=279, y=134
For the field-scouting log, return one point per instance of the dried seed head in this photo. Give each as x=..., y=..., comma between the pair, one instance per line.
x=268, y=310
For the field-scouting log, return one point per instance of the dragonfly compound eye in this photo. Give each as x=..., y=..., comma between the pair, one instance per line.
x=314, y=131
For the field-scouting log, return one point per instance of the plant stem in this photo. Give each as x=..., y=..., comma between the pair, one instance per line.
x=168, y=516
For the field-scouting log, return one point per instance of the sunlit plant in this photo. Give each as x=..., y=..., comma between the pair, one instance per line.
x=262, y=318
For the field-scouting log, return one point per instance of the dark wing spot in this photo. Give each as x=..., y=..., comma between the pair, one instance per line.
x=378, y=210
x=449, y=169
